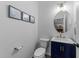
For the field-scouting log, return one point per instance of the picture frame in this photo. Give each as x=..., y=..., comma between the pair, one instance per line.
x=25, y=17
x=32, y=19
x=14, y=13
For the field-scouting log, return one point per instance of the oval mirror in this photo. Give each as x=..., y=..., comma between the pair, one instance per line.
x=62, y=21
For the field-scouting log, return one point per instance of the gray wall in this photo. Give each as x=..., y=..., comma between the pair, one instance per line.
x=76, y=5
x=15, y=33
x=47, y=13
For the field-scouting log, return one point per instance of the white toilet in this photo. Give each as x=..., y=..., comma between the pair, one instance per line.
x=40, y=52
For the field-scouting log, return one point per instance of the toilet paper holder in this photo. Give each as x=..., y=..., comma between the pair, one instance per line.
x=18, y=48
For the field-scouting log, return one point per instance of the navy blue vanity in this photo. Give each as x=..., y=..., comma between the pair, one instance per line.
x=62, y=49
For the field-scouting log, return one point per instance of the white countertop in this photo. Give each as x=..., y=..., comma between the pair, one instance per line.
x=63, y=40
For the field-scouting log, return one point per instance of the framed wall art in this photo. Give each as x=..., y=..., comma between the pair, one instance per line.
x=14, y=13
x=25, y=17
x=32, y=19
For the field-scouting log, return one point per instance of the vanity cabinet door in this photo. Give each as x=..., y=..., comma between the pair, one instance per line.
x=62, y=50
x=70, y=51
x=55, y=50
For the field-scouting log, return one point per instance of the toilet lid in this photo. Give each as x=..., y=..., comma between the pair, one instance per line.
x=39, y=51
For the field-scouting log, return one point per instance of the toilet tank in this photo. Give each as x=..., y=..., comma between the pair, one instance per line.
x=43, y=42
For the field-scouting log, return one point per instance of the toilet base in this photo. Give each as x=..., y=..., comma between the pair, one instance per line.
x=40, y=53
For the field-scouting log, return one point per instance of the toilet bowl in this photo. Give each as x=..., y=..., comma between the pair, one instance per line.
x=41, y=51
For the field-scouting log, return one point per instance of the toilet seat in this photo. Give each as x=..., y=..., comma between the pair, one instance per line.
x=39, y=52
